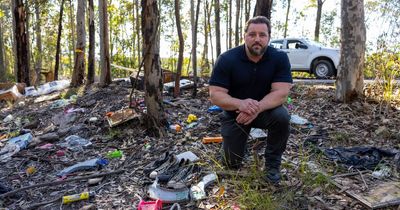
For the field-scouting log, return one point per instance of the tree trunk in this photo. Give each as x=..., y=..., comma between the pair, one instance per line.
x=194, y=47
x=230, y=25
x=79, y=67
x=105, y=68
x=22, y=58
x=247, y=5
x=286, y=19
x=139, y=41
x=91, y=61
x=204, y=57
x=181, y=48
x=3, y=71
x=58, y=48
x=32, y=74
x=217, y=28
x=38, y=29
x=155, y=119
x=263, y=8
x=237, y=30
x=71, y=53
x=350, y=80
x=318, y=20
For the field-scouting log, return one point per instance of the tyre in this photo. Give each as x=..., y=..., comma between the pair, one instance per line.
x=323, y=69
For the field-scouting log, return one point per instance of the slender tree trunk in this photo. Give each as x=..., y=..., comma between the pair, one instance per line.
x=3, y=71
x=210, y=35
x=237, y=31
x=38, y=29
x=181, y=48
x=139, y=41
x=350, y=79
x=155, y=119
x=230, y=25
x=287, y=19
x=22, y=54
x=217, y=28
x=79, y=67
x=71, y=54
x=247, y=9
x=58, y=48
x=32, y=74
x=318, y=20
x=14, y=39
x=263, y=8
x=91, y=61
x=105, y=68
x=204, y=65
x=194, y=48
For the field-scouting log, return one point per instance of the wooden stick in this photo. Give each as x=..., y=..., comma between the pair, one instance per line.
x=60, y=182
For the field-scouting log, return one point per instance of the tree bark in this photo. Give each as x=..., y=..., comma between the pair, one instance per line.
x=32, y=74
x=22, y=58
x=155, y=119
x=79, y=67
x=350, y=79
x=38, y=29
x=204, y=58
x=286, y=19
x=3, y=71
x=237, y=30
x=58, y=48
x=263, y=8
x=105, y=68
x=318, y=20
x=194, y=46
x=91, y=61
x=217, y=28
x=181, y=48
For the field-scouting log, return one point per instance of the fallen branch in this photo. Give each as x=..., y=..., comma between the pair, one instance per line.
x=60, y=182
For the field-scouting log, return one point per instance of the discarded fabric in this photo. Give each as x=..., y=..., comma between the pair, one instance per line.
x=86, y=165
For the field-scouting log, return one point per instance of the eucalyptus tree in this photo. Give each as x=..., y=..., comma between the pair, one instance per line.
x=194, y=19
x=263, y=8
x=58, y=48
x=350, y=80
x=181, y=48
x=237, y=31
x=38, y=30
x=287, y=19
x=105, y=69
x=217, y=27
x=21, y=42
x=318, y=19
x=3, y=70
x=91, y=61
x=79, y=66
x=155, y=119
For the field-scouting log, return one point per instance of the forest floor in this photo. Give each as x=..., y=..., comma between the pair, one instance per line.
x=316, y=173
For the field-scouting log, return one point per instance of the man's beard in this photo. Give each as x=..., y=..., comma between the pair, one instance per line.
x=255, y=52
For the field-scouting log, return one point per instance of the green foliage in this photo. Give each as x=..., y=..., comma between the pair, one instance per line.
x=384, y=66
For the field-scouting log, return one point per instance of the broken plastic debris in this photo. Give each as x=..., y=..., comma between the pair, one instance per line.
x=14, y=145
x=89, y=164
x=121, y=116
x=75, y=143
x=296, y=119
x=383, y=172
x=197, y=191
x=167, y=195
x=257, y=133
x=214, y=108
x=187, y=155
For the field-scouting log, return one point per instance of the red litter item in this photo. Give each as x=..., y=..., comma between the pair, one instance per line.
x=60, y=153
x=150, y=205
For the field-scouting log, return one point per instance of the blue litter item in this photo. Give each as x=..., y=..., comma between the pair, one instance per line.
x=214, y=108
x=22, y=141
x=85, y=165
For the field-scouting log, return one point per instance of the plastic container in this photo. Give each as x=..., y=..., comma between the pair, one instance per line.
x=76, y=197
x=216, y=139
x=150, y=205
x=175, y=128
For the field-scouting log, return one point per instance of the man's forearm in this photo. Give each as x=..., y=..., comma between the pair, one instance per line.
x=225, y=101
x=273, y=99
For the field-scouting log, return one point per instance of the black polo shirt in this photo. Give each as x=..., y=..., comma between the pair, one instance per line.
x=245, y=79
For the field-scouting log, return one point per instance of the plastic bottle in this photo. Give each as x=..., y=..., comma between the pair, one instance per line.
x=85, y=165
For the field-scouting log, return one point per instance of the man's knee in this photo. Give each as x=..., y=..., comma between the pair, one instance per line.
x=280, y=115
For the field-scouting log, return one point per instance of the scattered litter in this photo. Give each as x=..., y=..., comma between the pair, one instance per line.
x=156, y=192
x=85, y=165
x=383, y=172
x=257, y=133
x=183, y=84
x=75, y=143
x=114, y=154
x=187, y=155
x=121, y=116
x=150, y=205
x=77, y=197
x=31, y=170
x=216, y=139
x=197, y=192
x=191, y=118
x=47, y=88
x=358, y=157
x=296, y=119
x=175, y=128
x=214, y=108
x=191, y=125
x=14, y=145
x=8, y=119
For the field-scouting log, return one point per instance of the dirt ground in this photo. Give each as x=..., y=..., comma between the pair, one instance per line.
x=330, y=124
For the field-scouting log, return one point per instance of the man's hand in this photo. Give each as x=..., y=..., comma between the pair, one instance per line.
x=249, y=106
x=244, y=118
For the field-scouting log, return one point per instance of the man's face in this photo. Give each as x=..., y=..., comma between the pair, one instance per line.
x=256, y=39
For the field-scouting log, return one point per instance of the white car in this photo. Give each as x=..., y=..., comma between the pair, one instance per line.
x=309, y=56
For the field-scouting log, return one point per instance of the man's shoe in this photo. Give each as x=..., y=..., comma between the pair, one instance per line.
x=273, y=176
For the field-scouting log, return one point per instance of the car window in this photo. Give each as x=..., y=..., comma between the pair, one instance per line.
x=277, y=44
x=293, y=44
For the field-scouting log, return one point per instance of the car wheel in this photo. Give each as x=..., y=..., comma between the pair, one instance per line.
x=323, y=69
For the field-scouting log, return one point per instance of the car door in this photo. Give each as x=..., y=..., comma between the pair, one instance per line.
x=298, y=53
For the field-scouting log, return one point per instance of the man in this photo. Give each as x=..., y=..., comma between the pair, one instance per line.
x=250, y=83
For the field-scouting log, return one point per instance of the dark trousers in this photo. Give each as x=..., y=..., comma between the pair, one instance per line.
x=235, y=136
